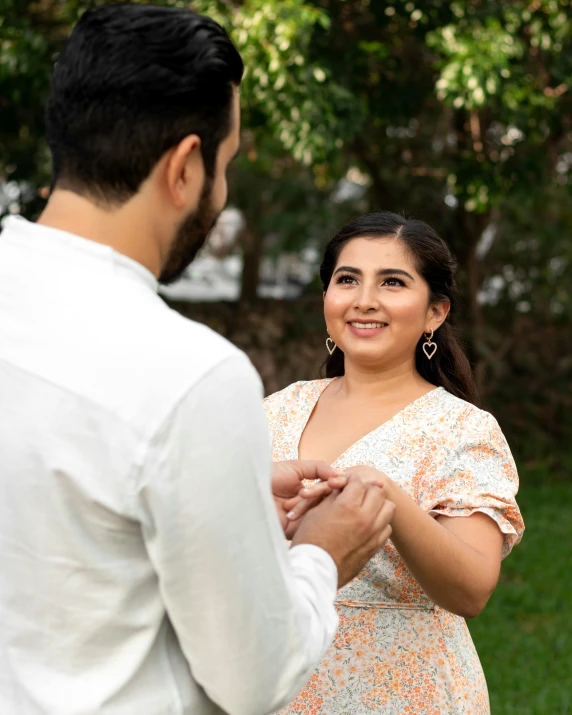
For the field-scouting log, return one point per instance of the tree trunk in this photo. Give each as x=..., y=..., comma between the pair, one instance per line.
x=252, y=243
x=470, y=227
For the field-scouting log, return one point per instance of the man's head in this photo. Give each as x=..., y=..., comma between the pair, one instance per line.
x=144, y=101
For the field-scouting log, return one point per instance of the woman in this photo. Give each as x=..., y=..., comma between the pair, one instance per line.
x=398, y=399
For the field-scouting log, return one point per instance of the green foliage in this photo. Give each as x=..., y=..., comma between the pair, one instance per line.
x=297, y=211
x=31, y=35
x=513, y=63
x=287, y=95
x=458, y=113
x=523, y=637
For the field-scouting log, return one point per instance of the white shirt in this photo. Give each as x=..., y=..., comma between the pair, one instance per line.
x=142, y=564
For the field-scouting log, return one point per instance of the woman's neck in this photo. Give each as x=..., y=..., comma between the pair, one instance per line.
x=359, y=383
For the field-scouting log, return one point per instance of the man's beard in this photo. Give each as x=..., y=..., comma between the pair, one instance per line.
x=191, y=237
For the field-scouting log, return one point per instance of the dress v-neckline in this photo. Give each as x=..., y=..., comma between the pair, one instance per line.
x=311, y=406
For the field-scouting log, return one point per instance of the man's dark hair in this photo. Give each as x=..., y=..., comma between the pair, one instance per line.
x=131, y=82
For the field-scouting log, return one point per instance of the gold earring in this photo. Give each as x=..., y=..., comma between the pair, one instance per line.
x=333, y=345
x=429, y=348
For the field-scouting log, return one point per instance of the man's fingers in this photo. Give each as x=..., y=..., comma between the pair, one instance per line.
x=388, y=510
x=373, y=499
x=382, y=528
x=384, y=536
x=385, y=515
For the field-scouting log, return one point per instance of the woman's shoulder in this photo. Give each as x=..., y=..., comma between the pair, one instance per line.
x=295, y=393
x=466, y=417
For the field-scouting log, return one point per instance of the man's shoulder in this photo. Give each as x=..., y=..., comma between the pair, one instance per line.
x=196, y=344
x=141, y=358
x=158, y=337
x=172, y=354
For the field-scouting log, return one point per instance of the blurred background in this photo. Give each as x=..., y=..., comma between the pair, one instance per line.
x=456, y=113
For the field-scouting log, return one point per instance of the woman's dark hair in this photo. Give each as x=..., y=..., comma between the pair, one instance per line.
x=131, y=82
x=449, y=368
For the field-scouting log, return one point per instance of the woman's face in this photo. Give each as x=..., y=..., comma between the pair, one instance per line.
x=377, y=304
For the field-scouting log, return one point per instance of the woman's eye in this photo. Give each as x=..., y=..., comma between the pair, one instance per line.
x=393, y=282
x=347, y=280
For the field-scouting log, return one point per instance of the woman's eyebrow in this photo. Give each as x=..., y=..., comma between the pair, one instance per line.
x=348, y=269
x=394, y=272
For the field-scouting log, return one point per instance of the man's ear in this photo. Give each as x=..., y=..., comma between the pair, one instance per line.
x=184, y=172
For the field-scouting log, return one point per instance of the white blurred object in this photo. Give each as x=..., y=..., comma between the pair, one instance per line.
x=207, y=278
x=225, y=232
x=351, y=187
x=210, y=278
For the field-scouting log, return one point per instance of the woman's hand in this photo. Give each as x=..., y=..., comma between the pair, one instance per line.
x=456, y=560
x=291, y=499
x=369, y=475
x=311, y=496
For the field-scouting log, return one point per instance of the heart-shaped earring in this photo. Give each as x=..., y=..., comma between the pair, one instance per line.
x=429, y=348
x=333, y=345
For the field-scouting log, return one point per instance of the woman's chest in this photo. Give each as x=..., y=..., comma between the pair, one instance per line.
x=336, y=425
x=411, y=452
x=333, y=429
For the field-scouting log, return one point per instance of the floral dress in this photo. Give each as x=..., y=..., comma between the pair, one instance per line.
x=396, y=651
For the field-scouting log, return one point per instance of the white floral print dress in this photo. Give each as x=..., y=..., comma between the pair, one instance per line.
x=396, y=651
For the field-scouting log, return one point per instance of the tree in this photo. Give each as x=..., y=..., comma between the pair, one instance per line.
x=458, y=113
x=293, y=114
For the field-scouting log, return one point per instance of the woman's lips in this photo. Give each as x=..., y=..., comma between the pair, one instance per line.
x=366, y=330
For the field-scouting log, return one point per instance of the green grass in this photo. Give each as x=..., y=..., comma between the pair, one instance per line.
x=524, y=636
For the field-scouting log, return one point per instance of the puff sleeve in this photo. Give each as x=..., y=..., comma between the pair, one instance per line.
x=481, y=476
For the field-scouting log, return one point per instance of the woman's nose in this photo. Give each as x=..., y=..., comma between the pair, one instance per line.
x=367, y=299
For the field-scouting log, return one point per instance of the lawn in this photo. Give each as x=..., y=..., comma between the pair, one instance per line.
x=524, y=636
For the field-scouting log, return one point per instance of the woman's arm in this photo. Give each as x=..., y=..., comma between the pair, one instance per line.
x=456, y=560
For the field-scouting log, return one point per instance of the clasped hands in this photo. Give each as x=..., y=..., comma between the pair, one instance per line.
x=292, y=499
x=343, y=513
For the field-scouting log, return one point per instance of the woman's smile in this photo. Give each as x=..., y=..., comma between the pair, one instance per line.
x=377, y=304
x=363, y=329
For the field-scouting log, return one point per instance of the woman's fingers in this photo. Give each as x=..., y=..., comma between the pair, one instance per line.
x=311, y=469
x=289, y=504
x=369, y=475
x=320, y=489
x=338, y=482
x=308, y=498
x=303, y=506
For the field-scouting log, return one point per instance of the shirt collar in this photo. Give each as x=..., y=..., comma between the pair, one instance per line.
x=36, y=235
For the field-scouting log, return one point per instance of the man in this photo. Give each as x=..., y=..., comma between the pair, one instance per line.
x=143, y=566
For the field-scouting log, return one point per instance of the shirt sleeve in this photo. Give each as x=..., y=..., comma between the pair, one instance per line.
x=253, y=618
x=481, y=477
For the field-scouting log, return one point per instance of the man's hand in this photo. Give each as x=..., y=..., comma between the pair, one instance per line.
x=291, y=499
x=316, y=492
x=351, y=526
